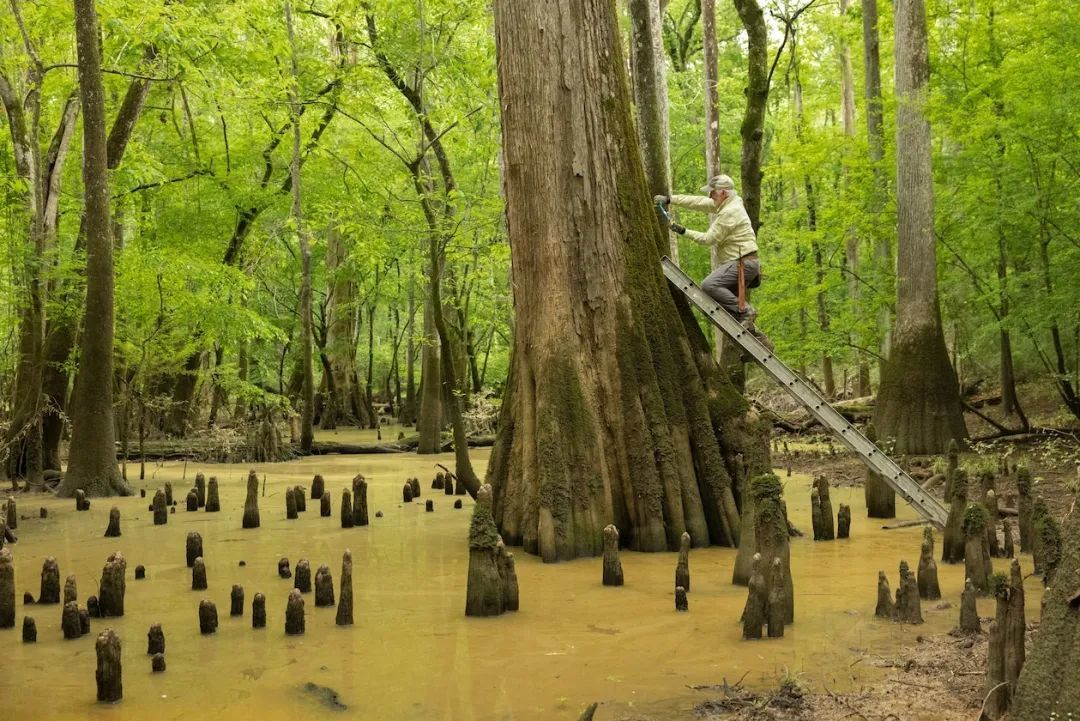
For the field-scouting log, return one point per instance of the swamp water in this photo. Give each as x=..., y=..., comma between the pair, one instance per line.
x=412, y=653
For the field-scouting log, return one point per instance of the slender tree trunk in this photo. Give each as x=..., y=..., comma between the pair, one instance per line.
x=757, y=95
x=408, y=412
x=307, y=394
x=92, y=465
x=648, y=59
x=875, y=132
x=429, y=420
x=918, y=403
x=605, y=416
x=712, y=135
x=851, y=246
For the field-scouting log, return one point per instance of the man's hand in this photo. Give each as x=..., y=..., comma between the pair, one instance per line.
x=676, y=228
x=662, y=199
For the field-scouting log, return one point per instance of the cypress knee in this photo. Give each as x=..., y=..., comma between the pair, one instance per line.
x=360, y=501
x=157, y=663
x=1046, y=545
x=776, y=603
x=213, y=500
x=976, y=562
x=84, y=621
x=828, y=529
x=93, y=607
x=952, y=463
x=843, y=521
x=113, y=530
x=251, y=503
x=258, y=611
x=300, y=497
x=12, y=514
x=414, y=483
x=236, y=601
x=1023, y=508
x=161, y=510
x=406, y=493
x=448, y=487
x=880, y=497
x=1008, y=550
x=71, y=589
x=681, y=603
x=771, y=532
x=429, y=506
x=457, y=504
x=508, y=573
x=198, y=575
x=294, y=613
x=200, y=489
x=155, y=640
x=757, y=601
x=927, y=574
x=324, y=587
x=69, y=621
x=437, y=483
x=346, y=509
x=29, y=630
x=208, y=620
x=682, y=568
x=324, y=505
x=283, y=568
x=740, y=575
x=80, y=500
x=908, y=605
x=168, y=493
x=344, y=615
x=459, y=487
x=952, y=541
x=302, y=582
x=7, y=589
x=290, y=503
x=194, y=547
x=485, y=591
x=993, y=517
x=885, y=607
x=110, y=685
x=1015, y=628
x=613, y=572
x=140, y=573
x=50, y=582
x=318, y=487
x=969, y=612
x=192, y=501
x=815, y=514
x=997, y=688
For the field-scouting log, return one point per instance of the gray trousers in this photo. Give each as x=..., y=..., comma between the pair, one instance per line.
x=722, y=285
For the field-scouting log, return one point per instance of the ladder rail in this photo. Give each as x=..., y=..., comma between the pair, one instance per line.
x=872, y=456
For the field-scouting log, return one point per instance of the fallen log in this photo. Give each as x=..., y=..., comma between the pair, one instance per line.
x=905, y=524
x=195, y=450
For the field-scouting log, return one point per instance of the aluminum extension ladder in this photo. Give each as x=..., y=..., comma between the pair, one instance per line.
x=868, y=453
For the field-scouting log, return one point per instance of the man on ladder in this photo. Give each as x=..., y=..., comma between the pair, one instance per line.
x=738, y=268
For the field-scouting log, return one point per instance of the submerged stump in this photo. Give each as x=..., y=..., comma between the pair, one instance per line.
x=757, y=601
x=613, y=572
x=236, y=600
x=344, y=615
x=113, y=529
x=208, y=618
x=113, y=586
x=324, y=587
x=110, y=685
x=294, y=613
x=927, y=574
x=50, y=582
x=843, y=521
x=485, y=591
x=7, y=589
x=161, y=511
x=302, y=582
x=155, y=640
x=198, y=575
x=213, y=501
x=69, y=621
x=258, y=611
x=885, y=607
x=682, y=568
x=193, y=547
x=346, y=509
x=251, y=502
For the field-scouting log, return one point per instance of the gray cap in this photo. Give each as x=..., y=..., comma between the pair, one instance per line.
x=719, y=182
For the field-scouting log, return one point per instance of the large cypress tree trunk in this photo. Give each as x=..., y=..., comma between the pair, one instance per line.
x=918, y=402
x=92, y=463
x=606, y=418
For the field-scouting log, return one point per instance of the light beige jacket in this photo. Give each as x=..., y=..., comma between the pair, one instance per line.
x=730, y=231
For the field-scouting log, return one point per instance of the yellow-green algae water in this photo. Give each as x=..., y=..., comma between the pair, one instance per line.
x=412, y=653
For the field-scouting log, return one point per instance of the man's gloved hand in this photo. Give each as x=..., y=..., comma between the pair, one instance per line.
x=662, y=199
x=676, y=228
